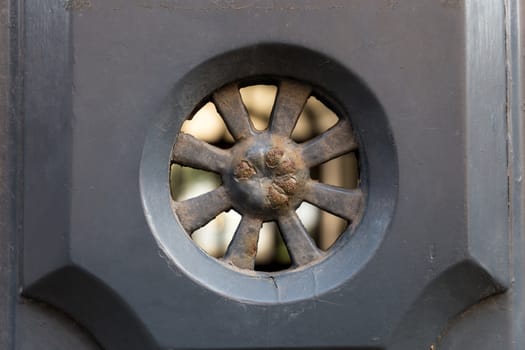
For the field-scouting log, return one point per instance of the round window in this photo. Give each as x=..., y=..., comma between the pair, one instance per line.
x=270, y=174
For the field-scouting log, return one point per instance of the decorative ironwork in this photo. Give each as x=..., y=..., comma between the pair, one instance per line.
x=266, y=175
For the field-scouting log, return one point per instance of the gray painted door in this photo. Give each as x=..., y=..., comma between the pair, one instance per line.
x=100, y=248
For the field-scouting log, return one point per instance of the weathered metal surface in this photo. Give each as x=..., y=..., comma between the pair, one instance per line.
x=396, y=67
x=300, y=245
x=9, y=182
x=198, y=211
x=336, y=141
x=230, y=106
x=192, y=152
x=289, y=104
x=338, y=201
x=266, y=174
x=243, y=247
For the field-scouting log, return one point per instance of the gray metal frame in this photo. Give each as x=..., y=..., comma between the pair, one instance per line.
x=486, y=149
x=516, y=134
x=9, y=168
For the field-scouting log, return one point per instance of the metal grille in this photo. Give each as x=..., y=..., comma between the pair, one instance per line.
x=266, y=175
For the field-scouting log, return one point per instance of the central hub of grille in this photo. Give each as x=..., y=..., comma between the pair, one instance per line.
x=268, y=174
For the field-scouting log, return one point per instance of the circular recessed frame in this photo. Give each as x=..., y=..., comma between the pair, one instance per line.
x=265, y=175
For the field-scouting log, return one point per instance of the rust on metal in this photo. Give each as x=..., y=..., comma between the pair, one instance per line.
x=273, y=157
x=244, y=170
x=192, y=152
x=266, y=175
x=276, y=197
x=286, y=166
x=289, y=103
x=334, y=142
x=301, y=246
x=232, y=110
x=338, y=201
x=287, y=183
x=197, y=212
x=243, y=247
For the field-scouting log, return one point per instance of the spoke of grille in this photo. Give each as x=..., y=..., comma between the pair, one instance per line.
x=289, y=103
x=192, y=152
x=338, y=201
x=196, y=212
x=334, y=142
x=243, y=247
x=229, y=104
x=300, y=245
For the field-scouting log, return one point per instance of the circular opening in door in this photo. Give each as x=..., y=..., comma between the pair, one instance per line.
x=270, y=174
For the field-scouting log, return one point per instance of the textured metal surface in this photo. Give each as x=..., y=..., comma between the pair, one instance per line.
x=6, y=182
x=10, y=167
x=516, y=122
x=486, y=104
x=87, y=119
x=24, y=325
x=38, y=326
x=499, y=322
x=266, y=175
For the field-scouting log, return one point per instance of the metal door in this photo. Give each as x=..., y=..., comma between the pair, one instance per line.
x=96, y=250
